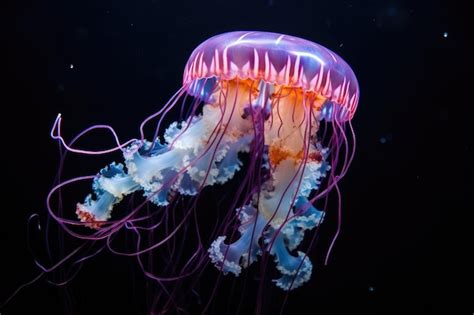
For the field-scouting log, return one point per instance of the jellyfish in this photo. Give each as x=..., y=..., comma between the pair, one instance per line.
x=275, y=108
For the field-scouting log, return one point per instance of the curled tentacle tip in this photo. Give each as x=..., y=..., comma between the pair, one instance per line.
x=85, y=216
x=296, y=278
x=56, y=126
x=217, y=253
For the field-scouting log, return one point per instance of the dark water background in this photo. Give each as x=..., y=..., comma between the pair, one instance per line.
x=406, y=237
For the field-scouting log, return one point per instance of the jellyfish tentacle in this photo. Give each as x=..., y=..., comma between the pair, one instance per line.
x=243, y=252
x=110, y=185
x=291, y=214
x=295, y=165
x=263, y=102
x=194, y=156
x=306, y=218
x=295, y=270
x=196, y=153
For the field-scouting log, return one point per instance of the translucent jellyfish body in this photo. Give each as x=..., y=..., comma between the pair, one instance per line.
x=258, y=96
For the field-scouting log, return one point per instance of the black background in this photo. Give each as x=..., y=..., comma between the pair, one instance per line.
x=407, y=235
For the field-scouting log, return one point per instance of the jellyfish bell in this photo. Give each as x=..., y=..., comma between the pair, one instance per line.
x=279, y=60
x=262, y=94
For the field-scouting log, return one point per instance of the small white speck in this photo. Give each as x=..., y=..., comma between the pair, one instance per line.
x=445, y=34
x=341, y=44
x=71, y=66
x=131, y=24
x=371, y=289
x=383, y=140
